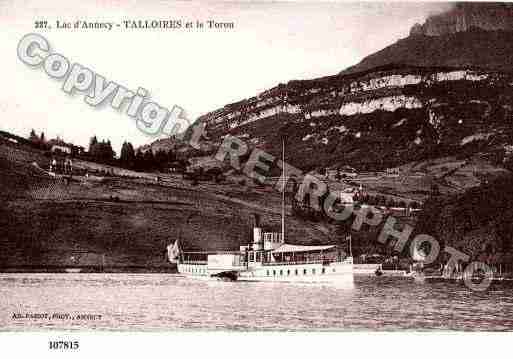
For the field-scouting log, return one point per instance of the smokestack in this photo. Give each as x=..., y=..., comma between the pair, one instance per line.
x=256, y=220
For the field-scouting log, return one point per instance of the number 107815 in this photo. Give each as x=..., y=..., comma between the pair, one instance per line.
x=64, y=345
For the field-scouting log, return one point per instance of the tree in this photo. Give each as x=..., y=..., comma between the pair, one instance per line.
x=171, y=156
x=161, y=159
x=139, y=161
x=101, y=151
x=435, y=190
x=107, y=154
x=33, y=136
x=127, y=157
x=149, y=160
x=92, y=142
x=508, y=163
x=39, y=142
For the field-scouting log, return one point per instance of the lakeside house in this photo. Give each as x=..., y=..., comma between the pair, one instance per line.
x=393, y=172
x=349, y=195
x=59, y=146
x=335, y=173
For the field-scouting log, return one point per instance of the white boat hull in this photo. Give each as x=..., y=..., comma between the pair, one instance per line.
x=334, y=272
x=73, y=270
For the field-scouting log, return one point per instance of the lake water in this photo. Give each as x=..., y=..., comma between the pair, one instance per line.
x=166, y=302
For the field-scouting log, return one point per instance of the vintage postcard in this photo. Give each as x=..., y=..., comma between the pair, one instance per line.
x=256, y=166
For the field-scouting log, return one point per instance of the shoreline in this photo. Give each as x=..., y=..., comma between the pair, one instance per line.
x=88, y=269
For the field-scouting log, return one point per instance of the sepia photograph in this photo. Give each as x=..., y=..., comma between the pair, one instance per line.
x=255, y=166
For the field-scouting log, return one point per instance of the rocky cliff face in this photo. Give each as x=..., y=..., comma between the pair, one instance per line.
x=477, y=35
x=446, y=89
x=375, y=119
x=465, y=16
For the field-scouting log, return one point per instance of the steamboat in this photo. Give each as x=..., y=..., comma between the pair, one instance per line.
x=268, y=258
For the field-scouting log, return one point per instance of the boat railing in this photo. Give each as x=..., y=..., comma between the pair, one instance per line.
x=208, y=252
x=304, y=261
x=193, y=262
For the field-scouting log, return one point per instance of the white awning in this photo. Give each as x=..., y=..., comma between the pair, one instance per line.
x=288, y=248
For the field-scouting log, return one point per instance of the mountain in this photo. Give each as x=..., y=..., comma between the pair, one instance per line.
x=444, y=90
x=376, y=119
x=475, y=48
x=478, y=35
x=464, y=16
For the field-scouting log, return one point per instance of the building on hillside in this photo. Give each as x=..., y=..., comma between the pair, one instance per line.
x=332, y=174
x=348, y=195
x=61, y=149
x=59, y=146
x=346, y=198
x=336, y=174
x=351, y=195
x=393, y=172
x=177, y=166
x=204, y=162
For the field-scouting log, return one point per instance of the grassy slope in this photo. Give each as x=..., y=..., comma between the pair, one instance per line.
x=477, y=222
x=45, y=222
x=450, y=174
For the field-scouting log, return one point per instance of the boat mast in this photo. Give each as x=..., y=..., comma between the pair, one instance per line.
x=350, y=245
x=283, y=190
x=283, y=174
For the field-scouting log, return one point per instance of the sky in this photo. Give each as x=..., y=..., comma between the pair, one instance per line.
x=198, y=70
